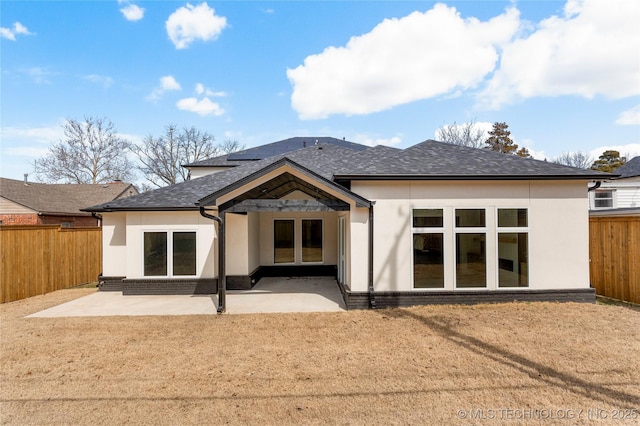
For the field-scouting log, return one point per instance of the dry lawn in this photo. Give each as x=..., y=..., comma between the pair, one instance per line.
x=401, y=366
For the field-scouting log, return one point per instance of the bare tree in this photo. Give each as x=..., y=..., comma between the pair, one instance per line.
x=91, y=152
x=161, y=158
x=466, y=134
x=229, y=146
x=578, y=159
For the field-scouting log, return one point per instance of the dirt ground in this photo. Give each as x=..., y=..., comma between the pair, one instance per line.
x=516, y=363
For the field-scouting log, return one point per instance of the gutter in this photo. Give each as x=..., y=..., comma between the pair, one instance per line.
x=222, y=278
x=469, y=177
x=595, y=186
x=372, y=297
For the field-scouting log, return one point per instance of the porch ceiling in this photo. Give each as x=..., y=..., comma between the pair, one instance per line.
x=268, y=197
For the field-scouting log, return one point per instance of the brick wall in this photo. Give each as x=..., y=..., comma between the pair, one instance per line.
x=75, y=221
x=34, y=219
x=19, y=219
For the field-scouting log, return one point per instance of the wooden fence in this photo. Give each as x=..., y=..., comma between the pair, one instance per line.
x=40, y=259
x=614, y=249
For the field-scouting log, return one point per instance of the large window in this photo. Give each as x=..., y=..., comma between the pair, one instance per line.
x=284, y=241
x=428, y=248
x=181, y=245
x=471, y=248
x=513, y=246
x=312, y=240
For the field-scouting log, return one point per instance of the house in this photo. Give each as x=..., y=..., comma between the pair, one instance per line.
x=432, y=223
x=29, y=203
x=621, y=192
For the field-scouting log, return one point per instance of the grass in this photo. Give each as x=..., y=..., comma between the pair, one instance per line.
x=418, y=365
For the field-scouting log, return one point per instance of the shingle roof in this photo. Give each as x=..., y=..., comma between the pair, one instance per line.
x=630, y=169
x=437, y=160
x=427, y=160
x=61, y=198
x=273, y=149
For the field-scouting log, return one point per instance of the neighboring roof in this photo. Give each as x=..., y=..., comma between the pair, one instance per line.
x=629, y=169
x=627, y=211
x=273, y=149
x=57, y=199
x=339, y=162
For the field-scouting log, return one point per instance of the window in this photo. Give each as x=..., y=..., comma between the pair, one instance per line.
x=312, y=240
x=181, y=245
x=283, y=241
x=184, y=253
x=513, y=246
x=155, y=253
x=428, y=248
x=471, y=246
x=603, y=199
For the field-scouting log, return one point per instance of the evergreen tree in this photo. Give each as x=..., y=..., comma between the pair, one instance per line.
x=499, y=140
x=609, y=161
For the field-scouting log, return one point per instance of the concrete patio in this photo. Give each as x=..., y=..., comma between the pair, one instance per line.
x=270, y=295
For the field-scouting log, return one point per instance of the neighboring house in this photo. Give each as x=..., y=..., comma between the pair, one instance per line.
x=433, y=223
x=622, y=192
x=29, y=203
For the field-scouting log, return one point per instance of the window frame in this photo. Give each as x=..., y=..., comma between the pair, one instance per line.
x=314, y=262
x=441, y=230
x=512, y=230
x=470, y=230
x=612, y=198
x=170, y=254
x=273, y=240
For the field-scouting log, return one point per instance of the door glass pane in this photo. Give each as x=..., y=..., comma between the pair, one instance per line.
x=283, y=241
x=312, y=240
x=155, y=254
x=428, y=265
x=184, y=253
x=470, y=218
x=427, y=218
x=513, y=262
x=512, y=218
x=471, y=270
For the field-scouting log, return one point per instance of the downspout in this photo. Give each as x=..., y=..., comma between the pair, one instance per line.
x=595, y=186
x=222, y=278
x=372, y=298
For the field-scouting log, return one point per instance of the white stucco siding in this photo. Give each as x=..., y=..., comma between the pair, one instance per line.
x=358, y=249
x=237, y=243
x=254, y=241
x=139, y=222
x=114, y=244
x=558, y=229
x=559, y=236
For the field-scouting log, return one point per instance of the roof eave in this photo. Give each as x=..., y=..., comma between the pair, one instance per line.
x=469, y=177
x=138, y=209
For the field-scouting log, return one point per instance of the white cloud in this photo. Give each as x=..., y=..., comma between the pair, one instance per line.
x=103, y=80
x=28, y=141
x=586, y=52
x=630, y=117
x=167, y=83
x=132, y=12
x=10, y=33
x=40, y=75
x=419, y=56
x=202, y=107
x=372, y=141
x=190, y=23
x=201, y=90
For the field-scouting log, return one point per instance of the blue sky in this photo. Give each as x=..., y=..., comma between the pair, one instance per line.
x=565, y=75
